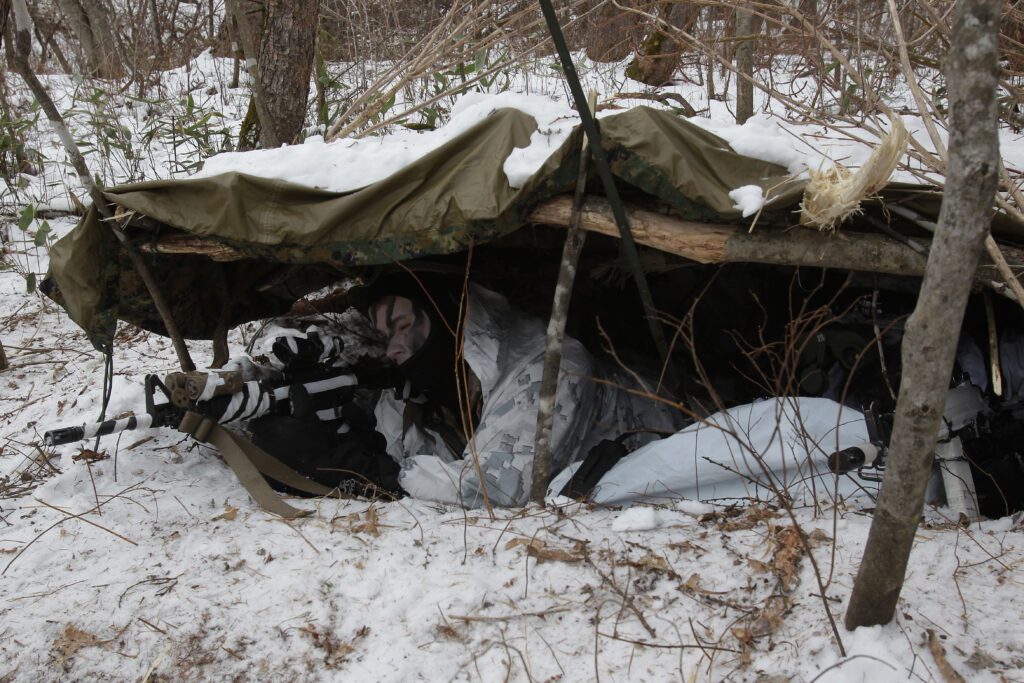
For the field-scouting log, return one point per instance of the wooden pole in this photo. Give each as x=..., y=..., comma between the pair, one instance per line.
x=574, y=239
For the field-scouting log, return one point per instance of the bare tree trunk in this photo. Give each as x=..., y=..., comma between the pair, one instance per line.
x=747, y=24
x=90, y=21
x=285, y=62
x=658, y=55
x=610, y=33
x=930, y=341
x=100, y=18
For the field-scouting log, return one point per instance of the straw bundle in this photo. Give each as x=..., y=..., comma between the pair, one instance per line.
x=834, y=194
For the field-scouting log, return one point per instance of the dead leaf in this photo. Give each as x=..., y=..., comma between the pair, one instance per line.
x=652, y=562
x=819, y=536
x=336, y=652
x=759, y=566
x=551, y=554
x=72, y=640
x=534, y=542
x=692, y=583
x=786, y=560
x=370, y=523
x=228, y=515
x=752, y=518
x=769, y=619
x=743, y=634
x=687, y=545
x=89, y=456
x=949, y=674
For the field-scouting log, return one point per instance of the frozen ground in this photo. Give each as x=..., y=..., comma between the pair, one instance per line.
x=148, y=560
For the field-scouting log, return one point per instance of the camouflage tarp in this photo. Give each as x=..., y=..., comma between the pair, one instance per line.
x=452, y=197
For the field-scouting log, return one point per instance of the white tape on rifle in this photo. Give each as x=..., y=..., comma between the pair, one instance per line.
x=143, y=421
x=331, y=383
x=328, y=414
x=213, y=380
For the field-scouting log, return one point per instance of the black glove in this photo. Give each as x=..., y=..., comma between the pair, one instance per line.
x=300, y=354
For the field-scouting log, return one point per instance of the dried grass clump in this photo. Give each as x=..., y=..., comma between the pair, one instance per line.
x=835, y=194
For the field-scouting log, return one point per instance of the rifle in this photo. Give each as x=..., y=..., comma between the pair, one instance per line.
x=225, y=397
x=965, y=404
x=198, y=403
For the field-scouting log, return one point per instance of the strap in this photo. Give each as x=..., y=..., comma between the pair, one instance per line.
x=248, y=461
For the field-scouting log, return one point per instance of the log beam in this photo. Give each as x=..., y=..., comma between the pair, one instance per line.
x=181, y=243
x=720, y=243
x=700, y=242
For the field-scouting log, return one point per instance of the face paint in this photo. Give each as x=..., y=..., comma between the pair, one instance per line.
x=404, y=325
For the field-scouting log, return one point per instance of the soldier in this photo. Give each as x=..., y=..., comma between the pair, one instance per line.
x=466, y=423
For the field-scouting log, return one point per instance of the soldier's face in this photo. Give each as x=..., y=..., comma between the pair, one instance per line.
x=404, y=325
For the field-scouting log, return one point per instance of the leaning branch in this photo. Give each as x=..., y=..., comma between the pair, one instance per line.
x=21, y=63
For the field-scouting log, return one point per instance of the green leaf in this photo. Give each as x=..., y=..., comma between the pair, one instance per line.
x=26, y=217
x=30, y=283
x=41, y=234
x=418, y=126
x=481, y=60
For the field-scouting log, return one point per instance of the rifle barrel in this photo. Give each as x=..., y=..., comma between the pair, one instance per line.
x=58, y=437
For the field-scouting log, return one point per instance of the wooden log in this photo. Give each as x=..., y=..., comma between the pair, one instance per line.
x=720, y=243
x=181, y=243
x=700, y=242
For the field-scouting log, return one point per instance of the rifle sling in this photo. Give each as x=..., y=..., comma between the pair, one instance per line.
x=248, y=461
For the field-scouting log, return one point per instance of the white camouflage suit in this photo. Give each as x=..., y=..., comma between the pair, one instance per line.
x=505, y=350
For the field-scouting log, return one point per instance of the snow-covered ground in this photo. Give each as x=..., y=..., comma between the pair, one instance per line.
x=149, y=561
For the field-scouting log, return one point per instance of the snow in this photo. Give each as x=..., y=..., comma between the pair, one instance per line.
x=639, y=518
x=749, y=199
x=154, y=563
x=346, y=165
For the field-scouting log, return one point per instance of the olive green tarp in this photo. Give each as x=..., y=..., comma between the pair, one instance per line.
x=453, y=197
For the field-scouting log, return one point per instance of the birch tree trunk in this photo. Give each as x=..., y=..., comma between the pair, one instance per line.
x=91, y=22
x=930, y=341
x=747, y=24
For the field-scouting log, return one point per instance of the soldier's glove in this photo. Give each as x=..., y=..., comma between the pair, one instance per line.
x=315, y=349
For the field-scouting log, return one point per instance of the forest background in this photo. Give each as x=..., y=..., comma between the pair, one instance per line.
x=135, y=84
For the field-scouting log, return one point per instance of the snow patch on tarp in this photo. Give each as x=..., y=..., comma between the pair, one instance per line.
x=350, y=164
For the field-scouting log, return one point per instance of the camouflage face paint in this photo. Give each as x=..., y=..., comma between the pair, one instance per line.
x=404, y=325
